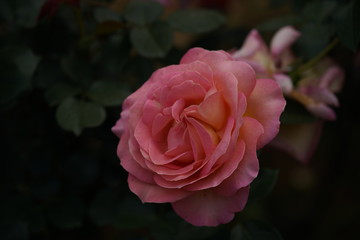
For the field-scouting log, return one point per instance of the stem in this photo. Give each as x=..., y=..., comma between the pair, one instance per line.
x=317, y=58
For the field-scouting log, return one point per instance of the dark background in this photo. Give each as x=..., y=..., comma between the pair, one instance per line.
x=55, y=184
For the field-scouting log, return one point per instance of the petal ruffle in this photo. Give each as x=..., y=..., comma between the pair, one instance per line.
x=266, y=110
x=153, y=193
x=205, y=208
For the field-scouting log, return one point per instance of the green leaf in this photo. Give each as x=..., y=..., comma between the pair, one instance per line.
x=106, y=14
x=59, y=91
x=239, y=233
x=152, y=41
x=319, y=11
x=17, y=66
x=196, y=21
x=26, y=61
x=143, y=12
x=276, y=23
x=314, y=38
x=263, y=184
x=74, y=115
x=258, y=230
x=108, y=93
x=48, y=73
x=67, y=213
x=27, y=12
x=77, y=68
x=5, y=11
x=22, y=12
x=347, y=21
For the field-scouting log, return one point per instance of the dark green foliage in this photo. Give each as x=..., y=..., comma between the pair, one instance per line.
x=143, y=12
x=152, y=41
x=319, y=23
x=347, y=25
x=196, y=21
x=254, y=230
x=263, y=184
x=62, y=82
x=74, y=115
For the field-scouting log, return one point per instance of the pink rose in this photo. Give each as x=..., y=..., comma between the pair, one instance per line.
x=189, y=135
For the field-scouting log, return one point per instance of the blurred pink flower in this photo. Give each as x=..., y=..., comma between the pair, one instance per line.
x=273, y=62
x=317, y=85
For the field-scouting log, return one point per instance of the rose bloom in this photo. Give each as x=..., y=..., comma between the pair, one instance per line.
x=189, y=135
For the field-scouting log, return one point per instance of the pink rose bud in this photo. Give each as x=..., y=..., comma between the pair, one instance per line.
x=189, y=135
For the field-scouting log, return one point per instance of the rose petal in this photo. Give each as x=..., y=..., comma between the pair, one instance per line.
x=128, y=162
x=193, y=55
x=228, y=84
x=212, y=111
x=188, y=90
x=205, y=208
x=266, y=110
x=212, y=58
x=248, y=168
x=243, y=73
x=152, y=193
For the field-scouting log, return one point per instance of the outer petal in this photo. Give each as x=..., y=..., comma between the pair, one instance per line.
x=283, y=39
x=205, y=208
x=128, y=162
x=209, y=57
x=249, y=165
x=243, y=72
x=265, y=104
x=153, y=193
x=193, y=55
